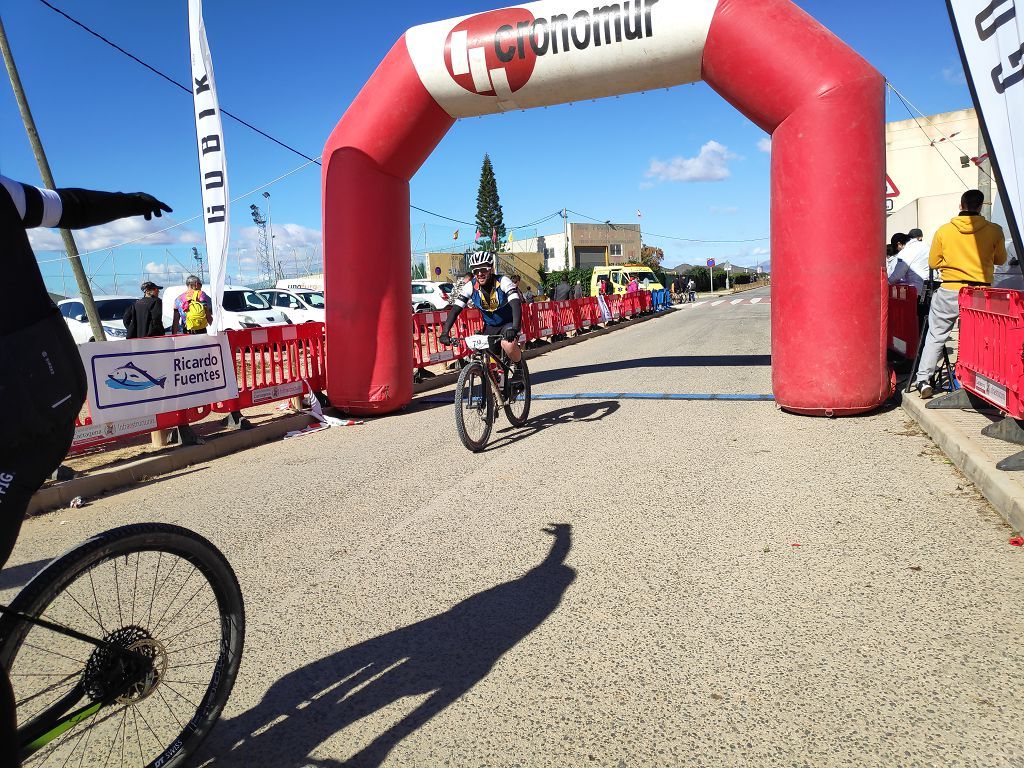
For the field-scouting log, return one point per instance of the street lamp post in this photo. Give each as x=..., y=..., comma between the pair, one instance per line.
x=199, y=260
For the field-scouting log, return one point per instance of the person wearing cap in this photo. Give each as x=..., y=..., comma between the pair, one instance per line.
x=145, y=317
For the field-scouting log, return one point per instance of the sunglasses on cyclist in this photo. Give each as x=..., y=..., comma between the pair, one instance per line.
x=481, y=270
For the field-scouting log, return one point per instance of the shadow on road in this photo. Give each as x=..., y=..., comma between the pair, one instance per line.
x=20, y=575
x=574, y=413
x=443, y=656
x=674, y=361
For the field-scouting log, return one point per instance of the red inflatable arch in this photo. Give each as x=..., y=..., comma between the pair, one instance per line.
x=822, y=103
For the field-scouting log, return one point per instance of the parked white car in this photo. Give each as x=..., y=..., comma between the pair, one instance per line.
x=243, y=308
x=300, y=304
x=428, y=295
x=111, y=310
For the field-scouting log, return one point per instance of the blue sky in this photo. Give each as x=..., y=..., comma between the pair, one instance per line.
x=292, y=69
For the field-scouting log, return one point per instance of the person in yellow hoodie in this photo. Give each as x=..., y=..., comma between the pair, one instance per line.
x=964, y=252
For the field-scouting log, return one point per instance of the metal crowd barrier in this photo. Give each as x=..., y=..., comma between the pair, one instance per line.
x=903, y=326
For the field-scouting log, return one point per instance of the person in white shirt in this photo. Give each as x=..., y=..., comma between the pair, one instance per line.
x=915, y=253
x=898, y=268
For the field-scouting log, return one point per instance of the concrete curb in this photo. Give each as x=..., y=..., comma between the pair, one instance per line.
x=448, y=379
x=59, y=495
x=965, y=450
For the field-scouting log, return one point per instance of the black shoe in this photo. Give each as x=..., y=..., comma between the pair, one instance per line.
x=924, y=389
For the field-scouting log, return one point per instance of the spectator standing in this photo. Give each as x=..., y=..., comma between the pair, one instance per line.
x=144, y=318
x=898, y=269
x=915, y=253
x=634, y=285
x=528, y=296
x=577, y=290
x=193, y=310
x=563, y=290
x=691, y=288
x=647, y=283
x=965, y=251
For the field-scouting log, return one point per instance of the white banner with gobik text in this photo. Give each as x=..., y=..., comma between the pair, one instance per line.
x=213, y=169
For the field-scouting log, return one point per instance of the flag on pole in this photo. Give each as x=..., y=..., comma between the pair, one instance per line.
x=213, y=169
x=510, y=237
x=455, y=236
x=477, y=238
x=991, y=42
x=494, y=235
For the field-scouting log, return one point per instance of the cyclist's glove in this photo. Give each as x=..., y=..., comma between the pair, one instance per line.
x=510, y=334
x=446, y=340
x=144, y=204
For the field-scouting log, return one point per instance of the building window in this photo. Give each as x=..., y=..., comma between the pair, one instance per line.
x=615, y=249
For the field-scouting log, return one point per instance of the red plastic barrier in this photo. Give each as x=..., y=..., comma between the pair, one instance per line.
x=276, y=363
x=644, y=301
x=614, y=306
x=567, y=317
x=530, y=322
x=89, y=435
x=904, y=328
x=426, y=349
x=991, y=342
x=589, y=312
x=547, y=319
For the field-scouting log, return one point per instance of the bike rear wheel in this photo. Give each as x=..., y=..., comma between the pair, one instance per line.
x=517, y=405
x=474, y=407
x=159, y=590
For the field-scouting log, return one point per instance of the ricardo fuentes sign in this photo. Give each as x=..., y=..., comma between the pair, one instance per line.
x=144, y=377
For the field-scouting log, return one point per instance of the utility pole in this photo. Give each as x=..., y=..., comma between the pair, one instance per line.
x=84, y=289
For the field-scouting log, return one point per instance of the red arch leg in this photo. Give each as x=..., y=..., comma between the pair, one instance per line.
x=389, y=130
x=824, y=106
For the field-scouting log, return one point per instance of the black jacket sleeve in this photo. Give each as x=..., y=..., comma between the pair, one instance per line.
x=88, y=208
x=156, y=319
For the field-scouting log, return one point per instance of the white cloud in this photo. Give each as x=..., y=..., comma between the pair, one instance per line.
x=711, y=164
x=954, y=75
x=116, y=233
x=764, y=144
x=759, y=252
x=723, y=210
x=285, y=236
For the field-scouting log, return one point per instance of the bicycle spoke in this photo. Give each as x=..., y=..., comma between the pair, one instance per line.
x=169, y=707
x=216, y=620
x=117, y=594
x=174, y=598
x=179, y=611
x=96, y=602
x=135, y=585
x=152, y=597
x=80, y=662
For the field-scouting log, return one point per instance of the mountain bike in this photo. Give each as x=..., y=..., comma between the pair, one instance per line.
x=123, y=651
x=485, y=385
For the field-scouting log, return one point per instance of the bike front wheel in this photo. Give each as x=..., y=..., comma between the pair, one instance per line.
x=474, y=407
x=517, y=405
x=160, y=591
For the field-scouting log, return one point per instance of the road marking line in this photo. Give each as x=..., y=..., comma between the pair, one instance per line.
x=716, y=303
x=755, y=301
x=734, y=302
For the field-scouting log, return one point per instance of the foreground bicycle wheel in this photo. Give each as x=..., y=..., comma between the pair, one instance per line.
x=517, y=405
x=161, y=591
x=474, y=407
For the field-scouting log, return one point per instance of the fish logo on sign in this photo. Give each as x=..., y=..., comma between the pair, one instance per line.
x=471, y=53
x=130, y=376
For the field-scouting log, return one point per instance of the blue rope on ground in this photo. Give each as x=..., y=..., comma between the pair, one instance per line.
x=633, y=396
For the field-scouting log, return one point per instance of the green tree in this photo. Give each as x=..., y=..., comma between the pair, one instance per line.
x=488, y=208
x=651, y=256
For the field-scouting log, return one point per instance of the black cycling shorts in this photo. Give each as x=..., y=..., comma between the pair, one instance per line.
x=495, y=330
x=42, y=388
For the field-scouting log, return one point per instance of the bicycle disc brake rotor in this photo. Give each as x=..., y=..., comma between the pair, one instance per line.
x=107, y=672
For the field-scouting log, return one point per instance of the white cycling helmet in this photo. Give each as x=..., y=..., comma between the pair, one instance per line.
x=480, y=259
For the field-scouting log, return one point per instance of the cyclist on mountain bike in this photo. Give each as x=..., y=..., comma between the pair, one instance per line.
x=42, y=381
x=500, y=302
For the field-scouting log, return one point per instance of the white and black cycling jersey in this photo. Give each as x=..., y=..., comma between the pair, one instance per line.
x=493, y=303
x=36, y=207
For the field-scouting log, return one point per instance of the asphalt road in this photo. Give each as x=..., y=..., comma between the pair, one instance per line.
x=621, y=583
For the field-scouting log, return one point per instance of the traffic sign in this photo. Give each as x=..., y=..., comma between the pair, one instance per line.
x=711, y=262
x=437, y=270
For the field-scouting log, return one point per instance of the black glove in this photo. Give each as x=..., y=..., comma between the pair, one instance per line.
x=510, y=334
x=146, y=205
x=446, y=340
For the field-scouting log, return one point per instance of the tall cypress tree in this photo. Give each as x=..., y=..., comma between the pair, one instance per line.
x=488, y=208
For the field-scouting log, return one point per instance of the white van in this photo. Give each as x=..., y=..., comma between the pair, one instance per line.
x=243, y=308
x=300, y=304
